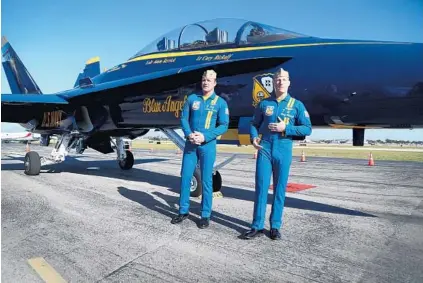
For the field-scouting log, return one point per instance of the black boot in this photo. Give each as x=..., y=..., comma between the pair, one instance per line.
x=179, y=218
x=275, y=234
x=253, y=233
x=204, y=223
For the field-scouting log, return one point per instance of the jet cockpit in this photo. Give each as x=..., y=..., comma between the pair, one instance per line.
x=217, y=34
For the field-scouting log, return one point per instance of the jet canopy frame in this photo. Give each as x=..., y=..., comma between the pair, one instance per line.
x=217, y=34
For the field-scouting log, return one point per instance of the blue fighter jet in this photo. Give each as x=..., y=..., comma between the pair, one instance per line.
x=354, y=84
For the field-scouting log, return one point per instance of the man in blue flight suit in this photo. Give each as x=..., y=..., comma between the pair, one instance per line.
x=204, y=117
x=278, y=120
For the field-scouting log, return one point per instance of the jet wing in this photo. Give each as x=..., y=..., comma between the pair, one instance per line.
x=29, y=99
x=20, y=108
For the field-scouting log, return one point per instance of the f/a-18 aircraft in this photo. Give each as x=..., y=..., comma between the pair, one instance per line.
x=343, y=83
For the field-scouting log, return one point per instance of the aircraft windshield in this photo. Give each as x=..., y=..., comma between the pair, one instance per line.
x=216, y=34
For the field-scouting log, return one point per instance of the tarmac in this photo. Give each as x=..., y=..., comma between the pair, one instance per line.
x=86, y=220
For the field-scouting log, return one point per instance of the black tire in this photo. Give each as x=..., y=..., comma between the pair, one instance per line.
x=217, y=182
x=128, y=162
x=32, y=163
x=196, y=188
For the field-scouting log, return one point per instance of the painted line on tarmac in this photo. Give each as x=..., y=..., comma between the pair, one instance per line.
x=45, y=270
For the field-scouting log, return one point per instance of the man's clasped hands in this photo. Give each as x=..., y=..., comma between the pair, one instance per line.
x=196, y=138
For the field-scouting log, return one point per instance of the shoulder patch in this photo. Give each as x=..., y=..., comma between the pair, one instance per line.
x=306, y=114
x=269, y=110
x=196, y=105
x=227, y=111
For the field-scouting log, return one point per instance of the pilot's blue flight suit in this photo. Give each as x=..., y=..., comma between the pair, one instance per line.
x=201, y=115
x=276, y=153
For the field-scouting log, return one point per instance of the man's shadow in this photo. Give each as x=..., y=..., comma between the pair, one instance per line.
x=171, y=210
x=172, y=182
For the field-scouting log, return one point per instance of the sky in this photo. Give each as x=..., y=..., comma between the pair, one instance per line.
x=54, y=39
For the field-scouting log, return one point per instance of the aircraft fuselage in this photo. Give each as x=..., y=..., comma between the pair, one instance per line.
x=341, y=83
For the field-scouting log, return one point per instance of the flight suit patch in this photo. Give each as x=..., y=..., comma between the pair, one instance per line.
x=210, y=108
x=269, y=110
x=196, y=105
x=287, y=112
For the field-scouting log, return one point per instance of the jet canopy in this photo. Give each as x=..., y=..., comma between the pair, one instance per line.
x=218, y=33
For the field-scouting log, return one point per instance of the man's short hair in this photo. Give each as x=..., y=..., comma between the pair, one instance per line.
x=210, y=73
x=281, y=73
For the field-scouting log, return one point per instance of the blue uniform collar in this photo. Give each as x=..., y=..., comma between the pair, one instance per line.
x=287, y=97
x=212, y=96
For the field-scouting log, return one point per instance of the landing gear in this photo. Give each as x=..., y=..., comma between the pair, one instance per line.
x=358, y=137
x=127, y=162
x=125, y=157
x=32, y=163
x=217, y=182
x=196, y=188
x=73, y=140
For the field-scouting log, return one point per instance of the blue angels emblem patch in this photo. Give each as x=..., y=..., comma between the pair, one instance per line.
x=196, y=105
x=269, y=110
x=262, y=87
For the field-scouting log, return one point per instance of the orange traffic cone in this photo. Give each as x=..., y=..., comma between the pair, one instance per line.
x=371, y=161
x=303, y=159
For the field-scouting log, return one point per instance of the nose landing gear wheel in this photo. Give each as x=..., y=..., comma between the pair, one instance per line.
x=128, y=162
x=32, y=163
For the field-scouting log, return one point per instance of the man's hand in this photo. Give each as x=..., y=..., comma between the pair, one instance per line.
x=256, y=144
x=191, y=137
x=196, y=138
x=277, y=127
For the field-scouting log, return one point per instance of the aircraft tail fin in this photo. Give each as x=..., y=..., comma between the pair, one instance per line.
x=92, y=69
x=20, y=80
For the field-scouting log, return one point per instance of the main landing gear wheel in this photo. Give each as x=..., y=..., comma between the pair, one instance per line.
x=196, y=188
x=128, y=162
x=32, y=163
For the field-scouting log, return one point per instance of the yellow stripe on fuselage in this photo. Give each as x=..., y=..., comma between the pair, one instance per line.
x=243, y=49
x=353, y=127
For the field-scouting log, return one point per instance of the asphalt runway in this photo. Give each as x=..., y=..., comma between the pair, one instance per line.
x=85, y=220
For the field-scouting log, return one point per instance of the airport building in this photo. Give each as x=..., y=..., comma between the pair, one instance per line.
x=217, y=36
x=166, y=44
